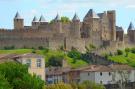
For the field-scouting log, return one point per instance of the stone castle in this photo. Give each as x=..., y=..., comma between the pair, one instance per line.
x=96, y=29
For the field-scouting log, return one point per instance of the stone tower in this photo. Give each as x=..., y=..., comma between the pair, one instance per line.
x=131, y=32
x=75, y=27
x=91, y=22
x=18, y=22
x=112, y=21
x=58, y=24
x=104, y=26
x=35, y=23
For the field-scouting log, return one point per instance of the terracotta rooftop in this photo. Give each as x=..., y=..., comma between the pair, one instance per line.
x=120, y=67
x=29, y=55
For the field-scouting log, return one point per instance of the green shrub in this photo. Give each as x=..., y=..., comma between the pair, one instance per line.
x=9, y=47
x=33, y=51
x=127, y=50
x=119, y=52
x=55, y=61
x=133, y=50
x=40, y=47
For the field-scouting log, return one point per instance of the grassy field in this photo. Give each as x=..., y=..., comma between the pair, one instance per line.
x=130, y=59
x=47, y=55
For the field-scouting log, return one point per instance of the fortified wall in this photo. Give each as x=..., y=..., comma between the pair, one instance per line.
x=99, y=30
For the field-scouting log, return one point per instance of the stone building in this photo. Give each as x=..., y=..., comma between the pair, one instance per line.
x=131, y=33
x=96, y=29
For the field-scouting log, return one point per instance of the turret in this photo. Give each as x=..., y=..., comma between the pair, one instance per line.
x=91, y=24
x=131, y=26
x=112, y=22
x=75, y=31
x=42, y=20
x=35, y=23
x=58, y=24
x=131, y=32
x=91, y=14
x=18, y=22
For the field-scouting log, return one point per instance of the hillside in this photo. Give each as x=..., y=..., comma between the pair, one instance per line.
x=124, y=57
x=49, y=54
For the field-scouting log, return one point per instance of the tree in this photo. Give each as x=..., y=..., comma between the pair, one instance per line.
x=65, y=19
x=90, y=85
x=4, y=84
x=55, y=61
x=18, y=77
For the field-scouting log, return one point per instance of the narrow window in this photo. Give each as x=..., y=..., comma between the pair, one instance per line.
x=109, y=73
x=38, y=62
x=100, y=73
x=88, y=74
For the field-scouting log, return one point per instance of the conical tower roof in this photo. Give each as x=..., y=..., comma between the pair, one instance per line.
x=57, y=18
x=131, y=26
x=75, y=18
x=92, y=14
x=17, y=16
x=42, y=19
x=35, y=19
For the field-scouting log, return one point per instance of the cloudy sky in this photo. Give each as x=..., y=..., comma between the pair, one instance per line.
x=49, y=8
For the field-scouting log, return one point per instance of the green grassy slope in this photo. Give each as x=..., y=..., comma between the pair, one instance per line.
x=47, y=55
x=130, y=59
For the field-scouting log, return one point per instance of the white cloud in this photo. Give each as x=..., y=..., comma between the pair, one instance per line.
x=130, y=6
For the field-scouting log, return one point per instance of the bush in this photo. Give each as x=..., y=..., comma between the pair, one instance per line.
x=127, y=50
x=59, y=86
x=74, y=54
x=55, y=61
x=133, y=50
x=33, y=51
x=40, y=47
x=90, y=85
x=9, y=47
x=119, y=52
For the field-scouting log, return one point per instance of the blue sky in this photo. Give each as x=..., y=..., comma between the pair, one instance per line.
x=125, y=9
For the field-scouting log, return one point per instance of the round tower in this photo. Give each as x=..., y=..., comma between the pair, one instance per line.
x=18, y=22
x=75, y=31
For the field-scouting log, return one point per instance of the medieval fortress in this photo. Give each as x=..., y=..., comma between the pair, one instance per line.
x=96, y=29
